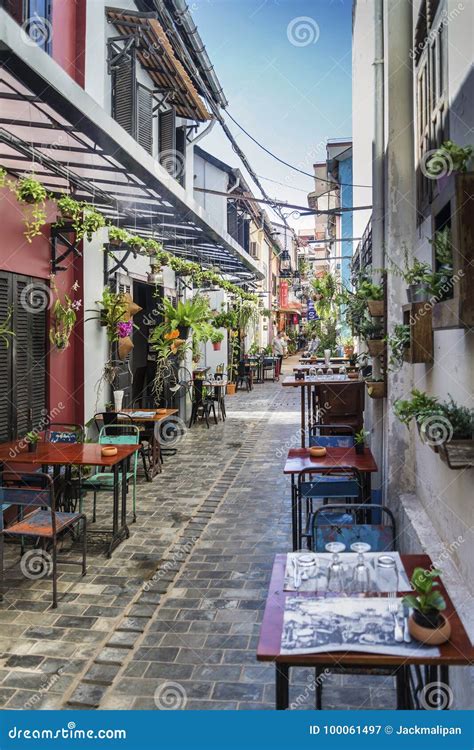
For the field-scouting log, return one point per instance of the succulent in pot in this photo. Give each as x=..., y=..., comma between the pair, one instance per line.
x=32, y=438
x=427, y=623
x=359, y=441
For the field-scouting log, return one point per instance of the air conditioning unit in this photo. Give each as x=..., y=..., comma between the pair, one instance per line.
x=254, y=249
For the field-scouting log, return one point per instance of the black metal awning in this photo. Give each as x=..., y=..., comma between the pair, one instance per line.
x=50, y=126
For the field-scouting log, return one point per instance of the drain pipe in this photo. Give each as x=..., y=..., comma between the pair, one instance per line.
x=378, y=223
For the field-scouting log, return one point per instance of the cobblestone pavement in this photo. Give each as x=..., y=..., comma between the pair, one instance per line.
x=172, y=620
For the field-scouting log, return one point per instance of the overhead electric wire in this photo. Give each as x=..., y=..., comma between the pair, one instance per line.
x=287, y=164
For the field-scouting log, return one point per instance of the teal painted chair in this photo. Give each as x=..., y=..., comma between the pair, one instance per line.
x=115, y=434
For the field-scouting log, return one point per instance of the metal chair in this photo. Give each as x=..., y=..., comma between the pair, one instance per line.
x=64, y=432
x=68, y=488
x=341, y=523
x=105, y=418
x=331, y=435
x=115, y=434
x=244, y=376
x=43, y=523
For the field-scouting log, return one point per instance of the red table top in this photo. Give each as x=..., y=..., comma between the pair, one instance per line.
x=457, y=651
x=63, y=454
x=299, y=459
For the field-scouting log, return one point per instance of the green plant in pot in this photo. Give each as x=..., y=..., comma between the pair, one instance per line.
x=426, y=622
x=136, y=243
x=88, y=223
x=372, y=334
x=32, y=194
x=418, y=277
x=216, y=339
x=449, y=157
x=69, y=208
x=442, y=279
x=63, y=316
x=189, y=314
x=359, y=441
x=118, y=236
x=32, y=438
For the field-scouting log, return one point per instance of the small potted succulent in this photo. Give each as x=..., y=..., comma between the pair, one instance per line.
x=32, y=438
x=427, y=624
x=118, y=236
x=216, y=339
x=359, y=441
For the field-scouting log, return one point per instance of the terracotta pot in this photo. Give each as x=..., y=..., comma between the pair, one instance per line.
x=353, y=375
x=217, y=346
x=125, y=346
x=109, y=450
x=375, y=347
x=348, y=351
x=430, y=636
x=317, y=451
x=375, y=307
x=375, y=389
x=230, y=389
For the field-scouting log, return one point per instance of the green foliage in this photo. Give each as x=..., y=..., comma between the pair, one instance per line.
x=216, y=336
x=68, y=206
x=369, y=330
x=152, y=247
x=117, y=234
x=420, y=406
x=427, y=598
x=189, y=314
x=397, y=343
x=359, y=437
x=30, y=190
x=3, y=177
x=32, y=437
x=5, y=330
x=136, y=242
x=367, y=290
x=63, y=317
x=227, y=320
x=32, y=194
x=113, y=308
x=461, y=419
x=449, y=155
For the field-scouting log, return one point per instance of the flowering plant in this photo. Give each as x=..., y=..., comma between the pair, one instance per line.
x=124, y=328
x=63, y=316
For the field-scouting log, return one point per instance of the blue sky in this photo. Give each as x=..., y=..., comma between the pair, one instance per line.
x=285, y=66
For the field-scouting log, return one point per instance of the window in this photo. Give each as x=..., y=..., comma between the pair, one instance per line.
x=172, y=145
x=132, y=103
x=35, y=17
x=22, y=363
x=431, y=94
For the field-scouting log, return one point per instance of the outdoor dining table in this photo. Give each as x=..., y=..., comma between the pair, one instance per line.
x=153, y=417
x=458, y=651
x=312, y=383
x=299, y=461
x=79, y=454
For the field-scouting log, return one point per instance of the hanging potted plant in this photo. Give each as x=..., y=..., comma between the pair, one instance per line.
x=63, y=316
x=216, y=340
x=69, y=209
x=372, y=335
x=153, y=247
x=373, y=295
x=30, y=192
x=118, y=236
x=448, y=158
x=376, y=388
x=457, y=449
x=427, y=623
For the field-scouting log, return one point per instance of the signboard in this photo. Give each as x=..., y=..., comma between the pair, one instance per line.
x=312, y=314
x=283, y=294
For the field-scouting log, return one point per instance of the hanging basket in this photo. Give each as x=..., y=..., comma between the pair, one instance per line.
x=375, y=307
x=125, y=346
x=132, y=307
x=376, y=389
x=376, y=347
x=457, y=454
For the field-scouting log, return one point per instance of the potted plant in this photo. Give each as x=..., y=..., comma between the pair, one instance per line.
x=372, y=335
x=63, y=316
x=457, y=449
x=152, y=247
x=418, y=276
x=449, y=157
x=190, y=314
x=113, y=309
x=233, y=362
x=69, y=208
x=376, y=388
x=373, y=295
x=118, y=236
x=348, y=347
x=216, y=339
x=398, y=343
x=426, y=623
x=32, y=193
x=32, y=438
x=91, y=222
x=359, y=442
x=136, y=242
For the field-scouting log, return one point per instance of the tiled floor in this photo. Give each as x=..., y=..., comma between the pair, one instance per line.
x=172, y=620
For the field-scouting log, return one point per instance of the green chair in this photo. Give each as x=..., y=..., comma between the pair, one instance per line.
x=115, y=434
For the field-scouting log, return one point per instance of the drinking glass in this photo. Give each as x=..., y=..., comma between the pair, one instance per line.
x=342, y=370
x=320, y=372
x=387, y=575
x=336, y=576
x=329, y=372
x=307, y=565
x=360, y=583
x=312, y=372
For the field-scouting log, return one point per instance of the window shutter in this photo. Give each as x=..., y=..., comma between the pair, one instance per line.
x=167, y=139
x=144, y=118
x=5, y=360
x=181, y=150
x=123, y=94
x=232, y=220
x=21, y=359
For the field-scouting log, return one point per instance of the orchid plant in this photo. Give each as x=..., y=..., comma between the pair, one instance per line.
x=63, y=316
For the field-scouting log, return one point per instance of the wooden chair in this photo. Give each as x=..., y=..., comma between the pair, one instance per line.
x=43, y=523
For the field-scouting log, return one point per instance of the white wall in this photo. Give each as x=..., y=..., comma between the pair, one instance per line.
x=210, y=177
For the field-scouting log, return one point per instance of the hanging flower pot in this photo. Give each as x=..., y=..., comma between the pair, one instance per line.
x=375, y=347
x=125, y=346
x=217, y=346
x=376, y=388
x=375, y=307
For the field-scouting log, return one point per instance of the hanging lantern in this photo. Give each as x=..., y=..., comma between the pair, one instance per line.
x=285, y=264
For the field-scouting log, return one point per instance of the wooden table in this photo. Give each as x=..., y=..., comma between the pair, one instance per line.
x=79, y=454
x=337, y=381
x=300, y=461
x=457, y=652
x=155, y=416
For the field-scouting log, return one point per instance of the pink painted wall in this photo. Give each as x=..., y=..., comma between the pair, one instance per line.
x=68, y=40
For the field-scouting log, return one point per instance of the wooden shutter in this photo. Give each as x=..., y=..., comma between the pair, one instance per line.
x=23, y=363
x=144, y=132
x=124, y=93
x=167, y=136
x=5, y=361
x=181, y=151
x=232, y=220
